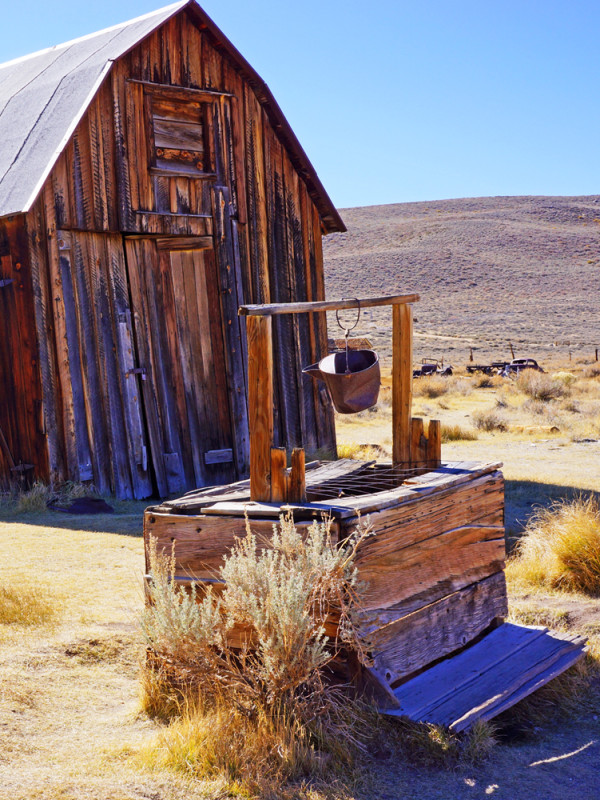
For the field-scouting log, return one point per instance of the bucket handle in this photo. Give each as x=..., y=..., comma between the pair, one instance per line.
x=347, y=330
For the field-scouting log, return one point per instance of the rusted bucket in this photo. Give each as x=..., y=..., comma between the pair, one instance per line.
x=352, y=378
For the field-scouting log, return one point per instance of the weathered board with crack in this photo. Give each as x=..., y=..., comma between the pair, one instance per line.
x=150, y=186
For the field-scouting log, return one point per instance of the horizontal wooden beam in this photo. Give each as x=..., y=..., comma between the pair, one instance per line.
x=269, y=309
x=180, y=92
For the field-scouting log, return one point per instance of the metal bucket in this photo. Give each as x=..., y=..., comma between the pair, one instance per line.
x=352, y=378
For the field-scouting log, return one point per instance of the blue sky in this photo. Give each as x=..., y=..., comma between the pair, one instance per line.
x=403, y=101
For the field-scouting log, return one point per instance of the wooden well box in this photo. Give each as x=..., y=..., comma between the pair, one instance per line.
x=432, y=572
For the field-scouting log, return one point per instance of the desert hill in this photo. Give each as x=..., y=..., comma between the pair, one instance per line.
x=489, y=270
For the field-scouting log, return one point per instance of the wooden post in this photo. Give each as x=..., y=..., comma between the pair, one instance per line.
x=434, y=444
x=260, y=405
x=402, y=336
x=418, y=444
x=297, y=485
x=278, y=475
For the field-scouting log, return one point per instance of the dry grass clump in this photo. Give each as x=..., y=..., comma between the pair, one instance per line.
x=269, y=712
x=592, y=371
x=540, y=386
x=36, y=498
x=489, y=420
x=360, y=452
x=431, y=386
x=27, y=604
x=560, y=548
x=456, y=433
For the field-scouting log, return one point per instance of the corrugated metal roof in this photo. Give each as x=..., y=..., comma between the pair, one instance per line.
x=44, y=95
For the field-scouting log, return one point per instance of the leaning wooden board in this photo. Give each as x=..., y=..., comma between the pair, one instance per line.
x=489, y=677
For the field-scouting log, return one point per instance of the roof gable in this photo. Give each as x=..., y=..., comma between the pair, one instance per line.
x=43, y=96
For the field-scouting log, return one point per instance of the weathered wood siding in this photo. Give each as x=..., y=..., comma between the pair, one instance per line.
x=93, y=317
x=22, y=440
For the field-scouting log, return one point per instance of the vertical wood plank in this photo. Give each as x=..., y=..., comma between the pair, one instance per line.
x=260, y=404
x=278, y=475
x=418, y=443
x=297, y=482
x=401, y=383
x=434, y=443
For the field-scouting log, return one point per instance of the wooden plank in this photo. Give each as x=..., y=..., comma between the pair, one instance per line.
x=402, y=335
x=233, y=346
x=224, y=456
x=431, y=568
x=202, y=541
x=198, y=426
x=45, y=338
x=278, y=475
x=434, y=443
x=218, y=397
x=256, y=198
x=135, y=259
x=183, y=93
x=438, y=629
x=173, y=243
x=492, y=685
x=270, y=309
x=75, y=356
x=484, y=680
x=297, y=485
x=260, y=405
x=418, y=695
x=418, y=443
x=541, y=678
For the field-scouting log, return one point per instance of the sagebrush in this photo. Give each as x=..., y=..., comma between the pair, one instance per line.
x=258, y=656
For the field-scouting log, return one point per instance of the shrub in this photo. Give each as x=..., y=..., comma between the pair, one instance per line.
x=265, y=712
x=431, y=386
x=489, y=420
x=454, y=433
x=593, y=371
x=561, y=547
x=539, y=386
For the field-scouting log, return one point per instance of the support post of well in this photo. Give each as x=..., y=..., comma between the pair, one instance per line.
x=260, y=405
x=402, y=344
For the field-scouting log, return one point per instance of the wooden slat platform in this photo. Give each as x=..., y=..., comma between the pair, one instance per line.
x=507, y=665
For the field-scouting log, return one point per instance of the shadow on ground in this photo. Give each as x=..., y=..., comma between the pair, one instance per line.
x=524, y=497
x=126, y=520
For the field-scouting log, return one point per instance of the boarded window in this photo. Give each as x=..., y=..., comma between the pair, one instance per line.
x=178, y=132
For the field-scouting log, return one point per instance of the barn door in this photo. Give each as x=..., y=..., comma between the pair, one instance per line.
x=179, y=336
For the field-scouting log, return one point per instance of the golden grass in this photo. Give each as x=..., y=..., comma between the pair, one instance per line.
x=27, y=604
x=456, y=433
x=560, y=548
x=36, y=498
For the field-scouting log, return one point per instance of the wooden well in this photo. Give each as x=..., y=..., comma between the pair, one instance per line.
x=434, y=570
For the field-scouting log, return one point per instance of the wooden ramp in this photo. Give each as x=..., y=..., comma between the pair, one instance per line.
x=507, y=665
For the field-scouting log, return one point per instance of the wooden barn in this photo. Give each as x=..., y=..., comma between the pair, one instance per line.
x=150, y=185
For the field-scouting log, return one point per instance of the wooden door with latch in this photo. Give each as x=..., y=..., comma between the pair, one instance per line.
x=179, y=335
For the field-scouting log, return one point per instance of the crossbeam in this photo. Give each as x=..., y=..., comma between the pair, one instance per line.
x=270, y=309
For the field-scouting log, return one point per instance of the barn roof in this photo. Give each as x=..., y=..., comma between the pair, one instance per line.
x=43, y=96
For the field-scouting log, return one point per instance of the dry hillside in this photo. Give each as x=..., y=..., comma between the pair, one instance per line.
x=489, y=270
